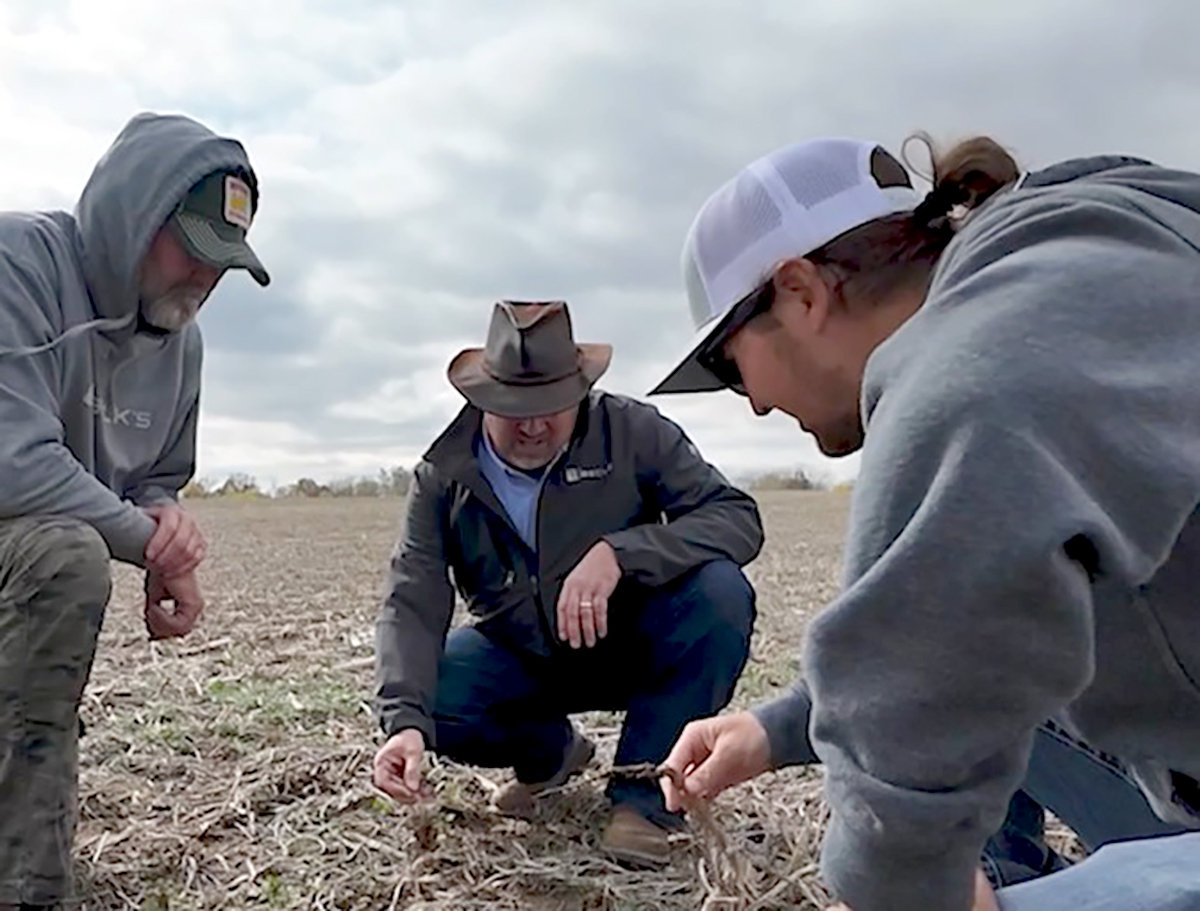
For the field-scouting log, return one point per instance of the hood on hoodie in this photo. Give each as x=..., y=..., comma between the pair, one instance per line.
x=132, y=191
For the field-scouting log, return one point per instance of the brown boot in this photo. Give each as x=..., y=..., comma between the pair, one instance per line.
x=517, y=798
x=632, y=839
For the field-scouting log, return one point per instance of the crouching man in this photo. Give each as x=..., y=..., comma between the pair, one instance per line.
x=599, y=558
x=99, y=389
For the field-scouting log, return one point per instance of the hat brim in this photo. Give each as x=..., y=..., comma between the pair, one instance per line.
x=468, y=375
x=689, y=374
x=202, y=242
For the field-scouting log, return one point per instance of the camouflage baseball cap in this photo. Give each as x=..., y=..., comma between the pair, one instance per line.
x=212, y=222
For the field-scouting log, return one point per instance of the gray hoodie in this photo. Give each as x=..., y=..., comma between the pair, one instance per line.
x=96, y=415
x=1024, y=539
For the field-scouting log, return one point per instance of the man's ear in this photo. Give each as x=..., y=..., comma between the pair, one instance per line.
x=803, y=297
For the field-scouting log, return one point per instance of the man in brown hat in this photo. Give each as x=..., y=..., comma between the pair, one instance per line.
x=599, y=559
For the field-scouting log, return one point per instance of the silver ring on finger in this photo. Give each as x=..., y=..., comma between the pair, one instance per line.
x=585, y=603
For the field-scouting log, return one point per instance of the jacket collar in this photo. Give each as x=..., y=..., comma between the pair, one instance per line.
x=453, y=452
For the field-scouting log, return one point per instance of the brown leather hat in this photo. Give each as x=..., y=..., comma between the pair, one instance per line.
x=531, y=365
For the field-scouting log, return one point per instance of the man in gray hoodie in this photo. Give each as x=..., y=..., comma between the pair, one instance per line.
x=99, y=388
x=1015, y=356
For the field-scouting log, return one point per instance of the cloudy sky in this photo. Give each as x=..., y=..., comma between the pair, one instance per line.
x=421, y=159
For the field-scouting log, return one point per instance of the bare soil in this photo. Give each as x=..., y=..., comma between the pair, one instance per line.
x=232, y=769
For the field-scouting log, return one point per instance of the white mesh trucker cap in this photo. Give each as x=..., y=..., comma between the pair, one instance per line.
x=786, y=204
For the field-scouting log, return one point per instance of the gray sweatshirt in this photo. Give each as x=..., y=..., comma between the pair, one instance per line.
x=1024, y=541
x=96, y=416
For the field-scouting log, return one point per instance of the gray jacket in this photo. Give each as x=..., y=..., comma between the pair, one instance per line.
x=97, y=416
x=629, y=476
x=1024, y=540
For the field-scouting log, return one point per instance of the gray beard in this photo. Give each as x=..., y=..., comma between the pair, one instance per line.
x=172, y=311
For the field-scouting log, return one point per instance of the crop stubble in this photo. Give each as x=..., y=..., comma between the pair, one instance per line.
x=232, y=768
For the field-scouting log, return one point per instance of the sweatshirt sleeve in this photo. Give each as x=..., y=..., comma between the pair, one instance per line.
x=707, y=517
x=38, y=474
x=785, y=719
x=1030, y=463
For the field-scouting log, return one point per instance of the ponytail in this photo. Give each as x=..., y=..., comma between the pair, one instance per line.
x=900, y=250
x=966, y=176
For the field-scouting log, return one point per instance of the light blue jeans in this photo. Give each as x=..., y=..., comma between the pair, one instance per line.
x=1136, y=862
x=1149, y=874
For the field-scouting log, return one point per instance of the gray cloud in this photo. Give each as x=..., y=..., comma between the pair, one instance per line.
x=242, y=318
x=418, y=164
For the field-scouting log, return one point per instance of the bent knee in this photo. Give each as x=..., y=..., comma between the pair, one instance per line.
x=728, y=594
x=67, y=553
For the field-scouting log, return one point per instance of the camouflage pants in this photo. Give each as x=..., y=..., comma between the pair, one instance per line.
x=54, y=585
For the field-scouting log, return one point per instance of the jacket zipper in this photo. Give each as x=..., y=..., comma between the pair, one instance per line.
x=537, y=540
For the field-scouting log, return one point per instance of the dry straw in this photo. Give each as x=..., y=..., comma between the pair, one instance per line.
x=233, y=769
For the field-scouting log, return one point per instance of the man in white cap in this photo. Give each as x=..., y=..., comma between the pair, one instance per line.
x=1015, y=357
x=598, y=556
x=99, y=389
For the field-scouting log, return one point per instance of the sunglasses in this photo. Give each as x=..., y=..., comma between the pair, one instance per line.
x=713, y=357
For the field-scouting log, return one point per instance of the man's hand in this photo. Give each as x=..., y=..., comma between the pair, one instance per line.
x=398, y=767
x=177, y=547
x=163, y=622
x=985, y=898
x=583, y=601
x=714, y=754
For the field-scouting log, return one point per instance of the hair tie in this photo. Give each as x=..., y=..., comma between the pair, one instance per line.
x=937, y=203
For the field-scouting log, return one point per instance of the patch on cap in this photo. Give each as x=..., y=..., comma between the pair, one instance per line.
x=237, y=202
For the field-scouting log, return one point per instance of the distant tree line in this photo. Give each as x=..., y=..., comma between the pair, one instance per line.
x=795, y=479
x=393, y=482
x=389, y=482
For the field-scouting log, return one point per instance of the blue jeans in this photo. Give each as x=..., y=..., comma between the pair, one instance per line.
x=672, y=654
x=1155, y=874
x=1136, y=861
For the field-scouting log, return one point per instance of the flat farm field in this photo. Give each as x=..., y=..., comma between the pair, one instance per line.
x=231, y=769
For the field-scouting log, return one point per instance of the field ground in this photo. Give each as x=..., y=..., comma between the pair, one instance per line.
x=232, y=769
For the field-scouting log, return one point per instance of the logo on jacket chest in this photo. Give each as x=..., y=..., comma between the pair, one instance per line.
x=573, y=474
x=110, y=413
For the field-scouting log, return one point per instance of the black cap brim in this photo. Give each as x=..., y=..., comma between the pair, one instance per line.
x=689, y=374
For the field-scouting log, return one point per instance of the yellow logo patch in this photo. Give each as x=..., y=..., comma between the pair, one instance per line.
x=237, y=202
